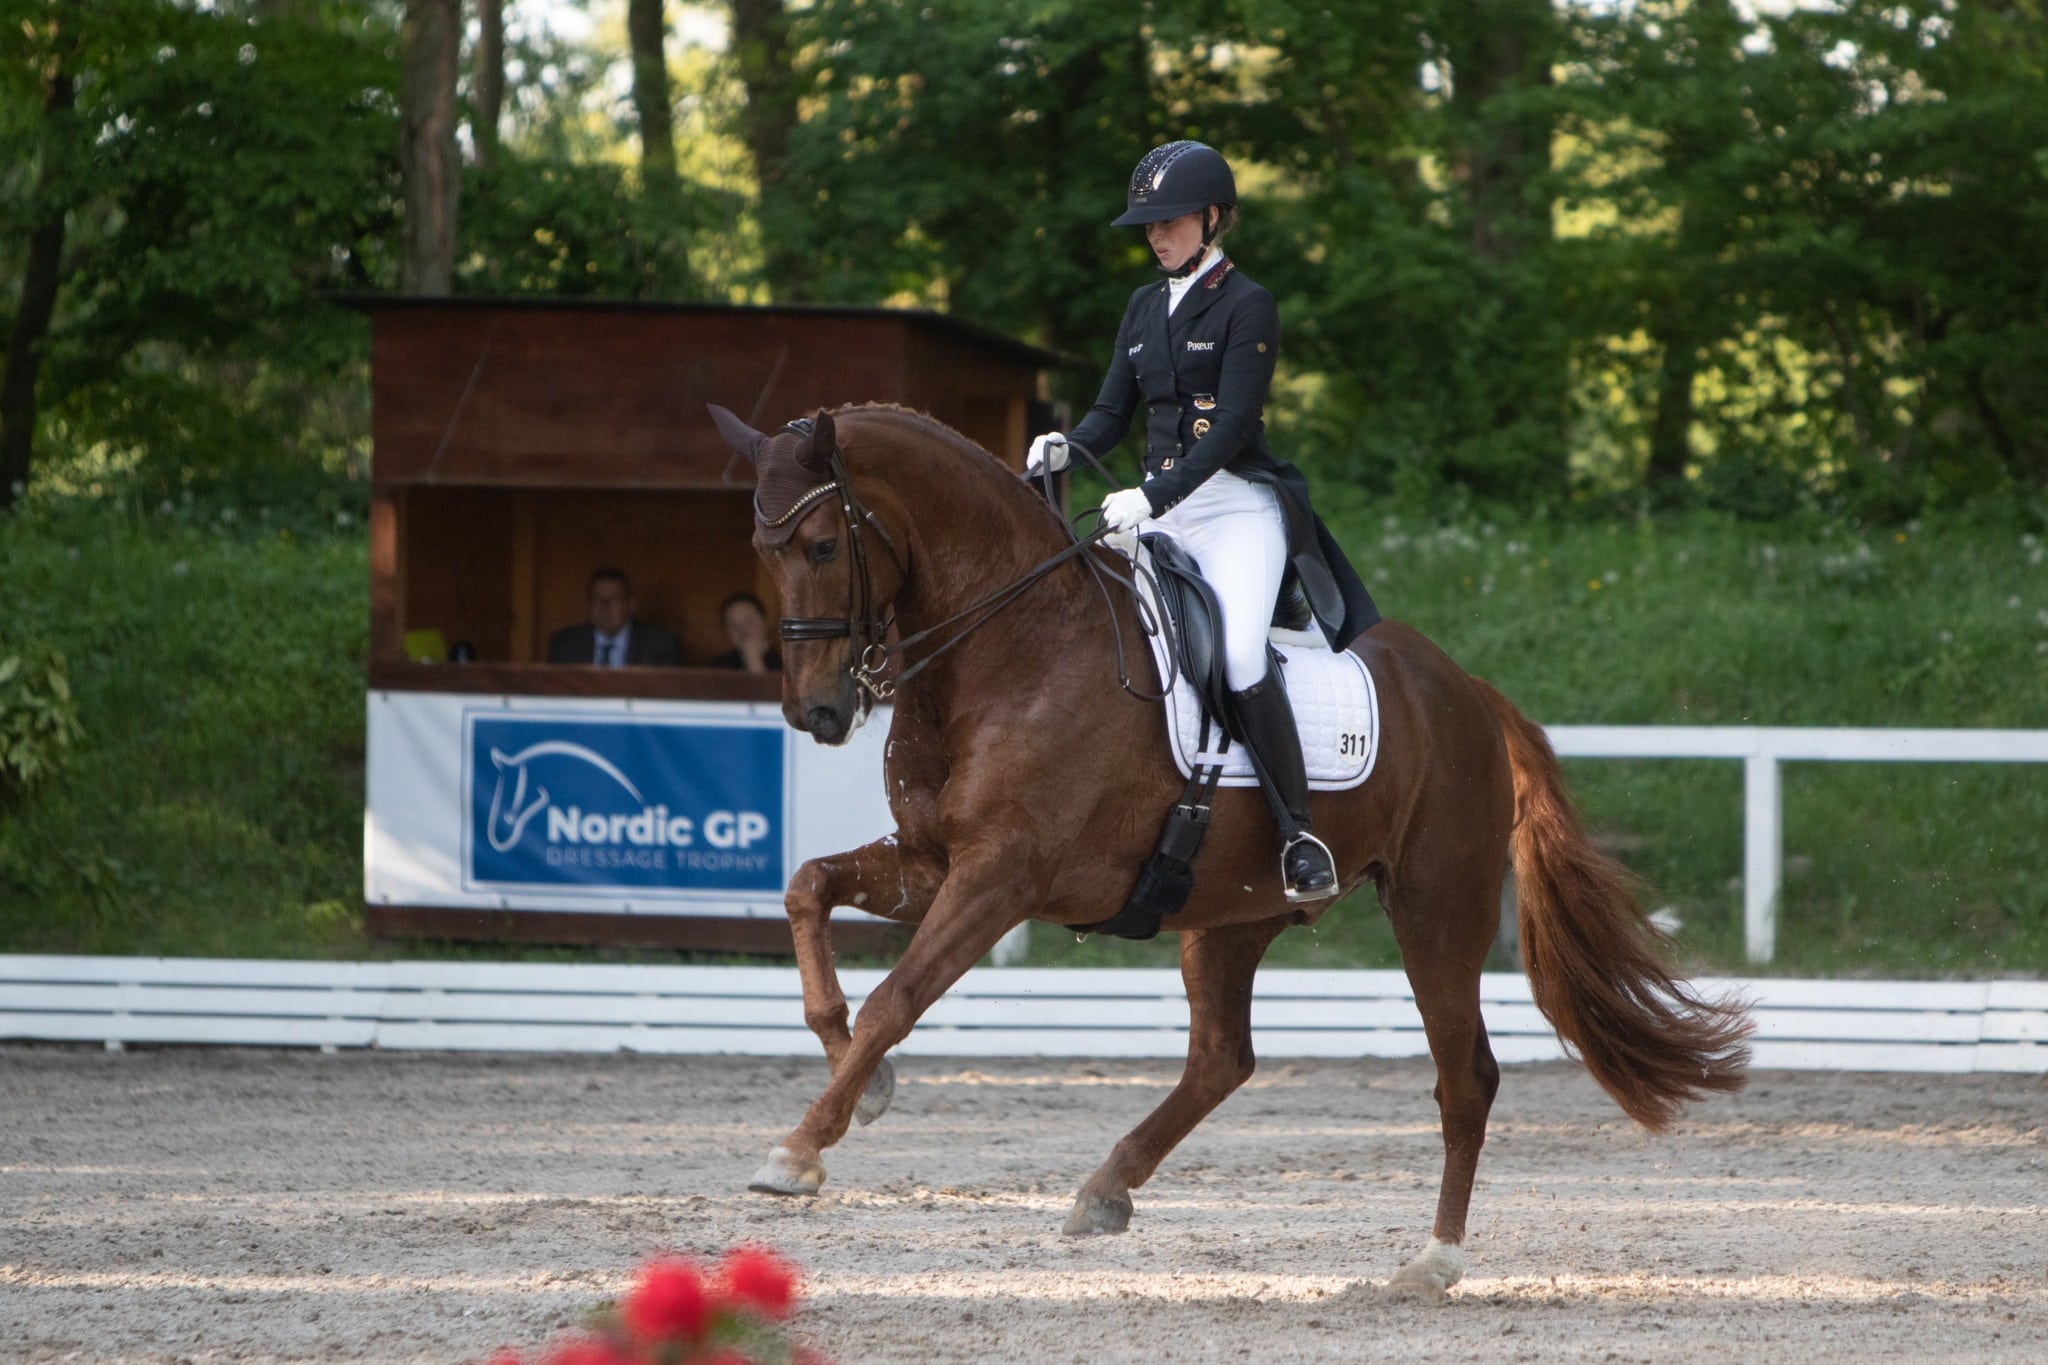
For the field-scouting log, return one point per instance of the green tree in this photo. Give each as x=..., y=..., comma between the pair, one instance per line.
x=219, y=172
x=970, y=155
x=55, y=54
x=1820, y=221
x=1418, y=276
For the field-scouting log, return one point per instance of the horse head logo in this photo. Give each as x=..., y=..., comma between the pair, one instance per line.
x=514, y=809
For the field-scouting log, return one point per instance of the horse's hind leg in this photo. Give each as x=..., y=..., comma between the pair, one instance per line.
x=1445, y=926
x=1217, y=966
x=877, y=878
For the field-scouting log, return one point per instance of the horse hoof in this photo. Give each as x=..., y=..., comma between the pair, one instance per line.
x=1429, y=1276
x=874, y=1101
x=1093, y=1215
x=786, y=1175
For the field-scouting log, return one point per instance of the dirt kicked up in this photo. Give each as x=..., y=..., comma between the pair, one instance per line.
x=206, y=1206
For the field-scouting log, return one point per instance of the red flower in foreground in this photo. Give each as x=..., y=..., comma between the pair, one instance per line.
x=668, y=1304
x=756, y=1280
x=587, y=1351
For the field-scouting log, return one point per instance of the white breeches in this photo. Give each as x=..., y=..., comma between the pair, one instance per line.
x=1234, y=529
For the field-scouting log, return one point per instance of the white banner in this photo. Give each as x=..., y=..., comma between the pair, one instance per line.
x=606, y=804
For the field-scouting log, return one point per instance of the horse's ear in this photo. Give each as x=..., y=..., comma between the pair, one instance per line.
x=817, y=455
x=743, y=439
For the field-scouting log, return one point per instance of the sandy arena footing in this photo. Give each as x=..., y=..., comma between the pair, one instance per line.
x=209, y=1206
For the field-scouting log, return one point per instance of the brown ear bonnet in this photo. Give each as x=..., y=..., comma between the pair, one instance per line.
x=792, y=469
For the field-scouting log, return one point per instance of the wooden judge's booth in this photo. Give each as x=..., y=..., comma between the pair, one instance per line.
x=518, y=445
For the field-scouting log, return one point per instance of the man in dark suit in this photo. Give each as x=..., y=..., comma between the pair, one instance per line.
x=612, y=638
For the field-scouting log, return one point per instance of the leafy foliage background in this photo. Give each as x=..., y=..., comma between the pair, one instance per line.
x=1526, y=254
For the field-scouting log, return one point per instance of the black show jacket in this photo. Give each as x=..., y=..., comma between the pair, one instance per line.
x=1201, y=375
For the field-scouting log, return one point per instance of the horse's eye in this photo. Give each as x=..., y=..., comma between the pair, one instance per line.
x=823, y=551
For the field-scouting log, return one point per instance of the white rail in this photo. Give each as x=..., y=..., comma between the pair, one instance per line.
x=1762, y=749
x=1938, y=1026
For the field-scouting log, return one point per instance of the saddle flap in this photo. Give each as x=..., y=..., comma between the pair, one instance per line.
x=1336, y=704
x=1194, y=620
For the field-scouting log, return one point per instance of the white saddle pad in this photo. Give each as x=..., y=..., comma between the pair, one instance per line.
x=1336, y=708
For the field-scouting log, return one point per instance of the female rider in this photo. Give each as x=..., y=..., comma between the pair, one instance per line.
x=1196, y=350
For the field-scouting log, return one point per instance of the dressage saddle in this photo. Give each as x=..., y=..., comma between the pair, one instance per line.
x=1193, y=625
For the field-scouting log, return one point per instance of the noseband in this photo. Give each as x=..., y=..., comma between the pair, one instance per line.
x=863, y=623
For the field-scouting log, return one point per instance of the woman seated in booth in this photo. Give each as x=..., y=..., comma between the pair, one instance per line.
x=746, y=626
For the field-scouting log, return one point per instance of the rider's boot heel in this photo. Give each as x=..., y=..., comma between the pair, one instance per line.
x=1265, y=722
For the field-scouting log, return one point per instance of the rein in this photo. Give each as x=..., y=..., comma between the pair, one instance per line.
x=866, y=628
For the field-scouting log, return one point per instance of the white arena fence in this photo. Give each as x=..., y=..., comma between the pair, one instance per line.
x=1762, y=749
x=1985, y=1026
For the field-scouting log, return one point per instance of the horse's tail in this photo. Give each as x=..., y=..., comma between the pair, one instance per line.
x=1593, y=960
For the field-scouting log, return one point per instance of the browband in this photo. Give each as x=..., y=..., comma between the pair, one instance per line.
x=821, y=491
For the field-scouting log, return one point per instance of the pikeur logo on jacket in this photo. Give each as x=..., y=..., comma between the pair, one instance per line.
x=1201, y=376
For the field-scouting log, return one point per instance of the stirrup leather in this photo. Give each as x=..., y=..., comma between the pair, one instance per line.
x=1296, y=893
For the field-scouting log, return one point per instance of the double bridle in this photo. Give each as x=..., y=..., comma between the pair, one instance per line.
x=863, y=623
x=867, y=629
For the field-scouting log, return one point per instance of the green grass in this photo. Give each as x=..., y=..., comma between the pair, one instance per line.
x=215, y=805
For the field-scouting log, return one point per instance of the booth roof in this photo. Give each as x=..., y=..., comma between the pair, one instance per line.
x=1011, y=348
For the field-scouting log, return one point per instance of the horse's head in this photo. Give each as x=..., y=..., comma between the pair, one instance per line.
x=835, y=570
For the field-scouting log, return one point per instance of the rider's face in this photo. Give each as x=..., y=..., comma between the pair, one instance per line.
x=1176, y=239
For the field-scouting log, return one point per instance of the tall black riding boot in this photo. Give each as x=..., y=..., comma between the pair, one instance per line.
x=1265, y=722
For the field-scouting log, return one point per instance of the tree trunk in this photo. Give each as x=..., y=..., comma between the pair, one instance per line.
x=39, y=279
x=430, y=39
x=1501, y=50
x=760, y=43
x=647, y=28
x=1671, y=427
x=487, y=80
x=1506, y=49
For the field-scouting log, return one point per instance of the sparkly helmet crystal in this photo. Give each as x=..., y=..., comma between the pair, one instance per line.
x=1181, y=177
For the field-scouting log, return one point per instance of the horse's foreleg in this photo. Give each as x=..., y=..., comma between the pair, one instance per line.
x=1217, y=967
x=877, y=878
x=978, y=903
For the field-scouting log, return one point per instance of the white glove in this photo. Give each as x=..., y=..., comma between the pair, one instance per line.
x=1124, y=509
x=1047, y=450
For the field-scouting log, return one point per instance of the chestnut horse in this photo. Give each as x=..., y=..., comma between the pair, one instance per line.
x=1026, y=785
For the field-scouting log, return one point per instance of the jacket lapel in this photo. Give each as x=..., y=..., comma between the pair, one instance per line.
x=1156, y=330
x=1203, y=296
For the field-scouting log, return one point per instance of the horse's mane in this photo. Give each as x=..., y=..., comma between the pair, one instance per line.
x=899, y=415
x=1001, y=480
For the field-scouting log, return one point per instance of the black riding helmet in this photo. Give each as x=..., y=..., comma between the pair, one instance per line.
x=1181, y=177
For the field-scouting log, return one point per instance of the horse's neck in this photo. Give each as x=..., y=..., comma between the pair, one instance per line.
x=982, y=532
x=979, y=540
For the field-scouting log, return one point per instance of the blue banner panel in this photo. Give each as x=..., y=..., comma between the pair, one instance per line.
x=609, y=806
